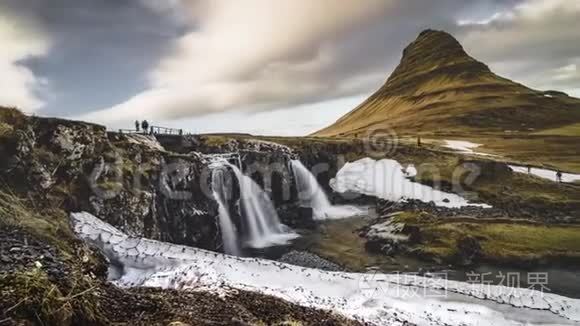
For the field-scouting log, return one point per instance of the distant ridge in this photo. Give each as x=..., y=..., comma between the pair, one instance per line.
x=438, y=87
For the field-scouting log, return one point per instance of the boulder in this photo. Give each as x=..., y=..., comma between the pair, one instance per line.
x=469, y=250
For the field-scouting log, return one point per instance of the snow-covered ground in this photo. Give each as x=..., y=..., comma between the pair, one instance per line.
x=546, y=174
x=380, y=299
x=465, y=147
x=387, y=179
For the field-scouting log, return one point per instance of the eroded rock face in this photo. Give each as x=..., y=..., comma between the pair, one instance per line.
x=132, y=182
x=129, y=181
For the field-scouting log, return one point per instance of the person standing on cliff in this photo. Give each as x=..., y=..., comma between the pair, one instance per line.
x=145, y=126
x=137, y=125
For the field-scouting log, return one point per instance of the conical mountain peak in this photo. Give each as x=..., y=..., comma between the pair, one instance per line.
x=438, y=87
x=435, y=50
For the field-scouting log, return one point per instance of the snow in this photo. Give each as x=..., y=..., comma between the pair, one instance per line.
x=411, y=171
x=386, y=179
x=379, y=299
x=546, y=174
x=464, y=147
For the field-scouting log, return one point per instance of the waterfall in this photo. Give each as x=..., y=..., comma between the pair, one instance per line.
x=311, y=194
x=221, y=194
x=261, y=222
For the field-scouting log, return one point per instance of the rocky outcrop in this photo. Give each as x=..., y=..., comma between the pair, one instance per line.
x=386, y=237
x=129, y=181
x=134, y=183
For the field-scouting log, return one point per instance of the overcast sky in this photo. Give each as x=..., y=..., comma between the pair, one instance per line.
x=285, y=67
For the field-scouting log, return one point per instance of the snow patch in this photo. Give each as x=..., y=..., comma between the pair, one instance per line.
x=379, y=299
x=546, y=174
x=385, y=179
x=464, y=147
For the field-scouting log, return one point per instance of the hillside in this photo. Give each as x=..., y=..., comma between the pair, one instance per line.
x=439, y=89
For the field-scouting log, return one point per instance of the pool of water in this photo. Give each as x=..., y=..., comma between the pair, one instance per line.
x=338, y=241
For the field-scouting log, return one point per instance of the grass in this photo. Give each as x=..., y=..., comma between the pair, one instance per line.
x=339, y=242
x=11, y=115
x=5, y=129
x=569, y=130
x=48, y=224
x=36, y=296
x=32, y=293
x=502, y=241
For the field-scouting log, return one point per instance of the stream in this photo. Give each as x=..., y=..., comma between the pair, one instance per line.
x=338, y=242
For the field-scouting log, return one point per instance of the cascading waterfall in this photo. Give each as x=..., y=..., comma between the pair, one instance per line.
x=311, y=194
x=262, y=225
x=228, y=229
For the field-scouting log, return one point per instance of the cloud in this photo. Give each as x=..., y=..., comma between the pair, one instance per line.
x=18, y=84
x=535, y=42
x=263, y=55
x=175, y=59
x=254, y=54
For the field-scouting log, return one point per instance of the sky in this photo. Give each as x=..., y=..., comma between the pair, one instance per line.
x=283, y=67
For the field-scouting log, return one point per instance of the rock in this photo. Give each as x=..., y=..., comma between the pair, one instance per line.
x=468, y=250
x=485, y=168
x=306, y=259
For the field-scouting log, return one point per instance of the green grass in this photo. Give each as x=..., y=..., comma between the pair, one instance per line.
x=569, y=130
x=49, y=224
x=30, y=293
x=501, y=240
x=36, y=297
x=5, y=129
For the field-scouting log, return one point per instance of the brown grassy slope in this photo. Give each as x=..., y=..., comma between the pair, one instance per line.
x=438, y=87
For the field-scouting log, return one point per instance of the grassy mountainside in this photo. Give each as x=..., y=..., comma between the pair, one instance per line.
x=439, y=88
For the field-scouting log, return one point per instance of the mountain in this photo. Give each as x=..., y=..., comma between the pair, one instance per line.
x=438, y=88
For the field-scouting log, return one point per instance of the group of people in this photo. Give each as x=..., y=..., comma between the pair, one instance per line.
x=144, y=128
x=144, y=125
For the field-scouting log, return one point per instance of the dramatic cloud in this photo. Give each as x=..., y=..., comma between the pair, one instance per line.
x=253, y=54
x=535, y=42
x=262, y=55
x=18, y=84
x=101, y=50
x=114, y=61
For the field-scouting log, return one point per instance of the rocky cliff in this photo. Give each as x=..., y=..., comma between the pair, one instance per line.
x=133, y=182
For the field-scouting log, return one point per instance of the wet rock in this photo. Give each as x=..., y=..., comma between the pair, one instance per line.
x=386, y=237
x=485, y=168
x=19, y=251
x=468, y=250
x=306, y=259
x=296, y=217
